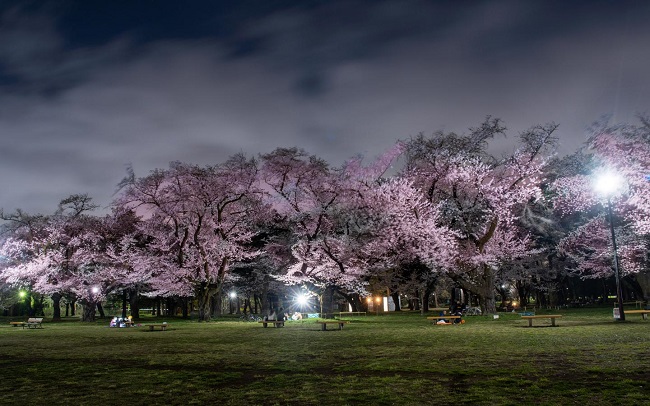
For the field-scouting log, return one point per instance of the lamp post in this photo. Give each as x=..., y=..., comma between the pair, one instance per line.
x=608, y=184
x=302, y=300
x=232, y=296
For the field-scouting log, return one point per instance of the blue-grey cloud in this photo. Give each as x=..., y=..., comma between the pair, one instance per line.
x=336, y=78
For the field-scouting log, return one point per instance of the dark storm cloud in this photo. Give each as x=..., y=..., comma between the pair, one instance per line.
x=336, y=78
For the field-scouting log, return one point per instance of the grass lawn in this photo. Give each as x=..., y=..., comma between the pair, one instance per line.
x=397, y=359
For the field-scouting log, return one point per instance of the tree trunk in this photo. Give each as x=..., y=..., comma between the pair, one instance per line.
x=39, y=308
x=257, y=303
x=56, y=307
x=425, y=300
x=101, y=310
x=28, y=305
x=643, y=279
x=124, y=304
x=395, y=296
x=264, y=300
x=204, y=296
x=522, y=292
x=133, y=302
x=88, y=314
x=354, y=300
x=357, y=303
x=170, y=303
x=326, y=300
x=486, y=291
x=186, y=312
x=421, y=301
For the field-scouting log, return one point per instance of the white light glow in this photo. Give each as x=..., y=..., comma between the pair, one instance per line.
x=233, y=295
x=301, y=300
x=95, y=289
x=608, y=183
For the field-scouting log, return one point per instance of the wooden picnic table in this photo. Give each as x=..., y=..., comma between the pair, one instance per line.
x=324, y=323
x=152, y=327
x=435, y=319
x=643, y=313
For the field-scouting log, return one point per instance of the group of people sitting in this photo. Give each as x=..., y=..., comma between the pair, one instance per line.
x=121, y=322
x=282, y=316
x=456, y=309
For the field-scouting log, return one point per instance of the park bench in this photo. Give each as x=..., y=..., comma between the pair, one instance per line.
x=643, y=313
x=152, y=327
x=351, y=314
x=35, y=322
x=325, y=323
x=545, y=316
x=435, y=319
x=276, y=323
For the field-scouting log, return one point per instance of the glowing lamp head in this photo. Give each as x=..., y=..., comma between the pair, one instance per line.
x=378, y=299
x=608, y=183
x=301, y=300
x=95, y=290
x=22, y=294
x=233, y=295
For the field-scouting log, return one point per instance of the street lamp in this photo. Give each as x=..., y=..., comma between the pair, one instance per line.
x=302, y=300
x=233, y=296
x=608, y=184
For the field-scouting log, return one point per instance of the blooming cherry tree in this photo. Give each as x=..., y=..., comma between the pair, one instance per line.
x=199, y=220
x=623, y=150
x=480, y=196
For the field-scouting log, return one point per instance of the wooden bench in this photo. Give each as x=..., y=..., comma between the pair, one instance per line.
x=546, y=316
x=325, y=323
x=435, y=319
x=276, y=323
x=351, y=314
x=35, y=322
x=152, y=327
x=643, y=313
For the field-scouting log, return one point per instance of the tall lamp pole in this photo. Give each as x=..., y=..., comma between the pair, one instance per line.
x=608, y=184
x=617, y=274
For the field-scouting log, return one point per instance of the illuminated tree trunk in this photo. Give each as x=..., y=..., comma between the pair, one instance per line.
x=484, y=288
x=205, y=295
x=395, y=296
x=486, y=291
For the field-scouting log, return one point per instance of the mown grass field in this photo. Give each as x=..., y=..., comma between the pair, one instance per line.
x=398, y=359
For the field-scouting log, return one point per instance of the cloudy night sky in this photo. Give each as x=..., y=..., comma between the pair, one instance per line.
x=88, y=88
